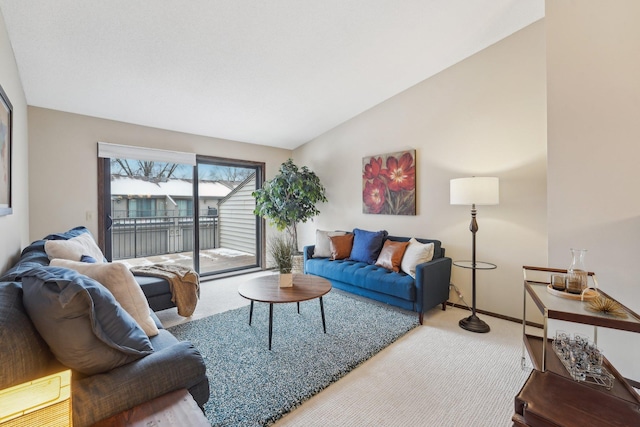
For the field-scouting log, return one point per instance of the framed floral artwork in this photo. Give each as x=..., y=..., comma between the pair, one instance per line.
x=389, y=184
x=6, y=111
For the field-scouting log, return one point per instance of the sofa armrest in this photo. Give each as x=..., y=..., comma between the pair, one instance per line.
x=307, y=251
x=100, y=396
x=432, y=283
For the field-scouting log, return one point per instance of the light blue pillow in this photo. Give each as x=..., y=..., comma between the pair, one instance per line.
x=367, y=245
x=81, y=321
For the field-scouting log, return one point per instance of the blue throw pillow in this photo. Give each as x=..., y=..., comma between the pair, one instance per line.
x=88, y=258
x=81, y=321
x=367, y=245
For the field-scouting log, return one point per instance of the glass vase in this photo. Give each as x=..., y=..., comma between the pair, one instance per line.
x=577, y=272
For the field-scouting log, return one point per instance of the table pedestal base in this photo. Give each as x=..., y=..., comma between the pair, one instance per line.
x=474, y=324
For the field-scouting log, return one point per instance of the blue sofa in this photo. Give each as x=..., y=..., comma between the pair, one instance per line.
x=25, y=355
x=427, y=290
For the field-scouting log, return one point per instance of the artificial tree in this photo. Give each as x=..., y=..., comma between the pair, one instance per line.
x=289, y=198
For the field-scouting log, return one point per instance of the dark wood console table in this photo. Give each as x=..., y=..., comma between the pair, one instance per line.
x=550, y=397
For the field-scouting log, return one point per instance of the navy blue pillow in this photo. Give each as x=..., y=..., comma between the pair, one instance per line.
x=74, y=232
x=81, y=321
x=367, y=245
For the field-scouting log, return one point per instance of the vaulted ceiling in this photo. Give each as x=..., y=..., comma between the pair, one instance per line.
x=278, y=72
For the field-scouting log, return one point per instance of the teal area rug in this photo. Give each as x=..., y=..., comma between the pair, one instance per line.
x=252, y=386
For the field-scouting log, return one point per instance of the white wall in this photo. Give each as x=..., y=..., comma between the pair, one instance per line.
x=64, y=167
x=594, y=146
x=14, y=229
x=484, y=116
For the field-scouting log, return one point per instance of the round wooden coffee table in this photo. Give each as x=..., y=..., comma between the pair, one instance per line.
x=267, y=289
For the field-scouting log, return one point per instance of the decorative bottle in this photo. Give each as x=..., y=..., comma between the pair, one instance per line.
x=577, y=273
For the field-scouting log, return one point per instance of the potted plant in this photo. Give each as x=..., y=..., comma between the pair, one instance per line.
x=289, y=198
x=281, y=249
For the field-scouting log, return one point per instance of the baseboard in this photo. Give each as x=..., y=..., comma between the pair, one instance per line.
x=499, y=316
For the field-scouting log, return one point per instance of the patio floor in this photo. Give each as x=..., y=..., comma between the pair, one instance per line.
x=211, y=260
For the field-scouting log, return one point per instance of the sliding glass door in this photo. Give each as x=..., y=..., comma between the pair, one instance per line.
x=200, y=216
x=151, y=212
x=228, y=230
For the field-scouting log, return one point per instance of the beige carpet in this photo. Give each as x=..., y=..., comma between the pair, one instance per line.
x=436, y=375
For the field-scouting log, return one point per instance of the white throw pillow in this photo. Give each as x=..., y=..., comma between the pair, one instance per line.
x=74, y=248
x=120, y=281
x=323, y=243
x=416, y=253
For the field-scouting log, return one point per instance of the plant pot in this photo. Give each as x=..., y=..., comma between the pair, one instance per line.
x=286, y=280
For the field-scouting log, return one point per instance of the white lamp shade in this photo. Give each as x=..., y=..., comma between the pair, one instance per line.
x=475, y=190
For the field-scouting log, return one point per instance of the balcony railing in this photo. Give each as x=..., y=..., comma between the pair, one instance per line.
x=148, y=236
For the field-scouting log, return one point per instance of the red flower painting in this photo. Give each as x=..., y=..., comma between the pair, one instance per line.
x=374, y=195
x=391, y=189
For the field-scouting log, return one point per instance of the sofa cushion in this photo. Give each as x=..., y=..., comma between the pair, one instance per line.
x=323, y=243
x=366, y=276
x=391, y=255
x=174, y=365
x=416, y=253
x=367, y=245
x=83, y=324
x=153, y=286
x=120, y=281
x=74, y=248
x=341, y=246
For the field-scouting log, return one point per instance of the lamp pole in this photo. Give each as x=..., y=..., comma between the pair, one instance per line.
x=473, y=227
x=473, y=323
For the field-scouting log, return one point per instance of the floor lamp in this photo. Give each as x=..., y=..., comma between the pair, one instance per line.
x=474, y=191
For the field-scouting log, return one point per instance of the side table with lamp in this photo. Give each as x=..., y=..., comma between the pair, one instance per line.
x=473, y=323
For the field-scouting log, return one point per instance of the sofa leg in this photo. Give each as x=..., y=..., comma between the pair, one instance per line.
x=420, y=315
x=444, y=306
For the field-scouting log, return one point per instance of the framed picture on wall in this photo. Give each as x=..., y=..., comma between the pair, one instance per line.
x=389, y=184
x=6, y=116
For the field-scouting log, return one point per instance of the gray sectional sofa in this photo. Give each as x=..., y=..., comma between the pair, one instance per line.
x=165, y=366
